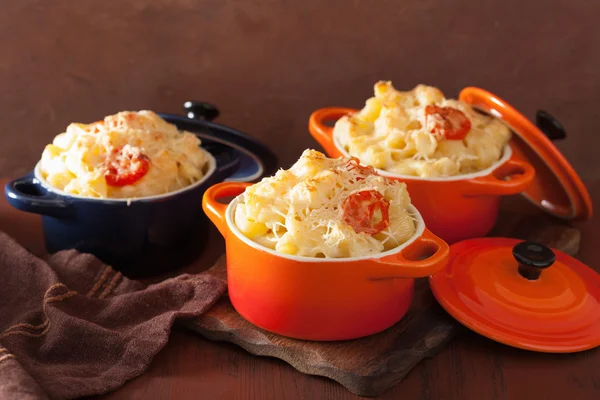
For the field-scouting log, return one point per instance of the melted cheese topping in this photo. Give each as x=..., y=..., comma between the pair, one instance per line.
x=76, y=161
x=297, y=211
x=390, y=133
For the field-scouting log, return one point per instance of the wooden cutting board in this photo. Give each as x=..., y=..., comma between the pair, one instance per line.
x=371, y=365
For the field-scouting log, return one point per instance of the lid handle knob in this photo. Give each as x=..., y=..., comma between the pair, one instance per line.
x=551, y=127
x=533, y=258
x=201, y=110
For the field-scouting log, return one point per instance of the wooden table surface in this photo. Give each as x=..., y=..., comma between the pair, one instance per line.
x=470, y=367
x=267, y=64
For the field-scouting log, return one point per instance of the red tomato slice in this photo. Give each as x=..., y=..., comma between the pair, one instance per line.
x=125, y=168
x=447, y=122
x=366, y=211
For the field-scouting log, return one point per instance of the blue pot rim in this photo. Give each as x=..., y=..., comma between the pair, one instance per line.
x=41, y=181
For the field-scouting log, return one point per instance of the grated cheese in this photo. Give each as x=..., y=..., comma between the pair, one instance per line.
x=76, y=161
x=391, y=133
x=297, y=211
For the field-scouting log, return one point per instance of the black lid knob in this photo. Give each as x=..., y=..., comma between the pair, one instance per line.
x=533, y=258
x=550, y=125
x=201, y=110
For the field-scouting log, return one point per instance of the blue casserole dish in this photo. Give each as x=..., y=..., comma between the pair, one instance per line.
x=148, y=235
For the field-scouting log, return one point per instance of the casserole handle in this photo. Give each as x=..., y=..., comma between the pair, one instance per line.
x=201, y=110
x=214, y=209
x=520, y=175
x=320, y=131
x=26, y=194
x=425, y=256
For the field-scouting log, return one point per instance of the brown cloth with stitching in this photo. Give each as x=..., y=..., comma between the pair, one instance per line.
x=71, y=326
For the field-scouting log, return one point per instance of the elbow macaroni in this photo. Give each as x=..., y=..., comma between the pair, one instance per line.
x=75, y=161
x=389, y=133
x=297, y=211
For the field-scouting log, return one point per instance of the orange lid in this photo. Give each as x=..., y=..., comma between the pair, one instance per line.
x=557, y=188
x=522, y=294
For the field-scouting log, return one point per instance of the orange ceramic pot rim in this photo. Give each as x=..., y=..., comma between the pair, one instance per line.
x=548, y=161
x=507, y=154
x=485, y=182
x=234, y=229
x=394, y=263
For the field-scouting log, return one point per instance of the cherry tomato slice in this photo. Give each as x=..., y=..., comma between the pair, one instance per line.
x=366, y=211
x=125, y=168
x=447, y=122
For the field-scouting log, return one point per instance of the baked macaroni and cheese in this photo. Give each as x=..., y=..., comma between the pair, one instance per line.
x=421, y=133
x=324, y=207
x=126, y=155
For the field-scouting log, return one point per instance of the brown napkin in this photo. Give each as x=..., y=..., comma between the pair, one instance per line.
x=72, y=326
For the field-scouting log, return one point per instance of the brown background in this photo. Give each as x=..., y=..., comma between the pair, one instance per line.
x=267, y=65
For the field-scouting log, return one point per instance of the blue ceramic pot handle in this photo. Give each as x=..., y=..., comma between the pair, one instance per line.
x=27, y=194
x=551, y=127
